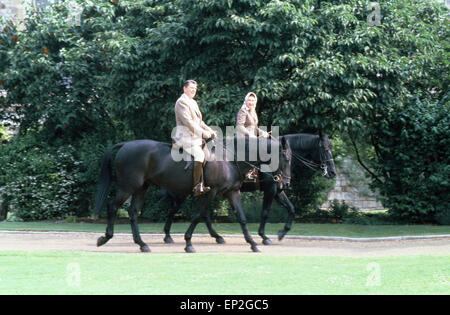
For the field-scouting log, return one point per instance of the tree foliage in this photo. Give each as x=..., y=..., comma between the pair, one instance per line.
x=315, y=65
x=413, y=160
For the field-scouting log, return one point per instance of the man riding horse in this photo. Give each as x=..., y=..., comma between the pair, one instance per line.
x=190, y=131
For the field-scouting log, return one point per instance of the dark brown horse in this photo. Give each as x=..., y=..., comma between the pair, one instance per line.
x=312, y=151
x=141, y=163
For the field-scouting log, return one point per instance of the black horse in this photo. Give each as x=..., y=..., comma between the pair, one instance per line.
x=141, y=163
x=313, y=151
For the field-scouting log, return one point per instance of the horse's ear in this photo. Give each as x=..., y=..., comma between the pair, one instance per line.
x=320, y=134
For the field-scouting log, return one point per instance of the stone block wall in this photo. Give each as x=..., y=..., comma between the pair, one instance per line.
x=356, y=192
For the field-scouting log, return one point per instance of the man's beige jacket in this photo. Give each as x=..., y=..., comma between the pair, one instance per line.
x=190, y=127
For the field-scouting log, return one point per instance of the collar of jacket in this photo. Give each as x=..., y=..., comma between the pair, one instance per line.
x=193, y=104
x=187, y=97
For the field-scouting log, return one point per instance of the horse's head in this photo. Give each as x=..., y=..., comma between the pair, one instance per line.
x=325, y=156
x=283, y=174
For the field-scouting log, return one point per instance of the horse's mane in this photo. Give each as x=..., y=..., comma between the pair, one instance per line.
x=302, y=141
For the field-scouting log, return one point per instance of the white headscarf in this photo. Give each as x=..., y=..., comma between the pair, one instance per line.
x=246, y=98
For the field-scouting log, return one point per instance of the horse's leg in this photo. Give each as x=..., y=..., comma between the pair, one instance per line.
x=176, y=204
x=269, y=193
x=212, y=232
x=283, y=200
x=112, y=207
x=111, y=212
x=188, y=235
x=201, y=213
x=137, y=202
x=235, y=200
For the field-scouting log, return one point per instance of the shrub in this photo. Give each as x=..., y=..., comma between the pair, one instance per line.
x=413, y=164
x=39, y=182
x=48, y=182
x=442, y=215
x=338, y=209
x=308, y=189
x=156, y=205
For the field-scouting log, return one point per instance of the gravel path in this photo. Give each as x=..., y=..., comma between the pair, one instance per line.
x=235, y=244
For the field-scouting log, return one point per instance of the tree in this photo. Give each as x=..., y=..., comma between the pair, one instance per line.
x=315, y=65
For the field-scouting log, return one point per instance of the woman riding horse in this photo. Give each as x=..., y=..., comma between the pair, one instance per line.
x=247, y=125
x=312, y=151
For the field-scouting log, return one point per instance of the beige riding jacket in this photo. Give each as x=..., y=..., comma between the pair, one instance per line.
x=190, y=127
x=247, y=123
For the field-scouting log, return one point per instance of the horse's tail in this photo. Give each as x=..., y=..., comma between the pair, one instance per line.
x=106, y=178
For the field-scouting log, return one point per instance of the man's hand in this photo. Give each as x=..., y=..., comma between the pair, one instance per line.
x=209, y=134
x=206, y=134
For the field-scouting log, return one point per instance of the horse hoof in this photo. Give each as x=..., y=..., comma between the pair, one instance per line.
x=168, y=240
x=101, y=241
x=220, y=240
x=255, y=249
x=189, y=249
x=281, y=235
x=266, y=241
x=145, y=249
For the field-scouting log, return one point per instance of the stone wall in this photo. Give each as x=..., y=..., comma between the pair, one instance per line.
x=344, y=191
x=352, y=187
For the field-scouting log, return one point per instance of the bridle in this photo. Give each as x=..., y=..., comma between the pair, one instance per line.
x=313, y=165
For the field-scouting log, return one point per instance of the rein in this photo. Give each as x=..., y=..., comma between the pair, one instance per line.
x=277, y=178
x=308, y=163
x=313, y=165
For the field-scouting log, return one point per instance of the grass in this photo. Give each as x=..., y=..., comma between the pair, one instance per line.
x=343, y=230
x=54, y=272
x=219, y=274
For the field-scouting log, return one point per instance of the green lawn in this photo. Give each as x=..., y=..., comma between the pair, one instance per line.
x=212, y=274
x=100, y=273
x=344, y=230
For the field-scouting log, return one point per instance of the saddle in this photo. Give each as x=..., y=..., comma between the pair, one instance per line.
x=189, y=158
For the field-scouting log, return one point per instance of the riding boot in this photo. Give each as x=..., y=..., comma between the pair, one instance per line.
x=199, y=188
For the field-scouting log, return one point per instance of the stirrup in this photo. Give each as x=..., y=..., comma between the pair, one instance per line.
x=251, y=175
x=200, y=189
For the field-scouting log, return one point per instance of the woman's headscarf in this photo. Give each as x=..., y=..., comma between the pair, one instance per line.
x=246, y=98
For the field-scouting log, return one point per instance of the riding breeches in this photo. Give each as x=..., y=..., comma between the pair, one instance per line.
x=196, y=152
